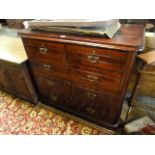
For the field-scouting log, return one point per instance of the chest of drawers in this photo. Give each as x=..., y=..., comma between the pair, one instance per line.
x=85, y=76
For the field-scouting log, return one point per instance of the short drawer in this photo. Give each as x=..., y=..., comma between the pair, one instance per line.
x=95, y=57
x=49, y=88
x=90, y=104
x=42, y=50
x=46, y=67
x=54, y=90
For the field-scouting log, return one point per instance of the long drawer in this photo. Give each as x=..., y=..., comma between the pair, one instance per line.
x=95, y=57
x=91, y=81
x=94, y=105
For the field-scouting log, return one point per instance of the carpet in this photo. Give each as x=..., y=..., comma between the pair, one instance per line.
x=18, y=117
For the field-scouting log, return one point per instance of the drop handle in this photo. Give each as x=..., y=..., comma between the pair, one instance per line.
x=47, y=67
x=92, y=77
x=43, y=50
x=54, y=97
x=90, y=110
x=50, y=83
x=93, y=58
x=91, y=95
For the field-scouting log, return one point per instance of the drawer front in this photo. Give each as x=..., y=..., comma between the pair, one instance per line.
x=93, y=105
x=46, y=67
x=42, y=50
x=98, y=79
x=55, y=91
x=95, y=70
x=102, y=58
x=49, y=89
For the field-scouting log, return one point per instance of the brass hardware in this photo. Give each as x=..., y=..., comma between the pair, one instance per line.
x=47, y=67
x=92, y=77
x=93, y=58
x=91, y=111
x=43, y=50
x=54, y=97
x=91, y=95
x=50, y=83
x=1, y=71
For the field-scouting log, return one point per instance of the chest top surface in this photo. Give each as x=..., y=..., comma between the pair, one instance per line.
x=130, y=37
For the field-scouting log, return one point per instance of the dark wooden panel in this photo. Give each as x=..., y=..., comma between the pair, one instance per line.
x=5, y=82
x=15, y=79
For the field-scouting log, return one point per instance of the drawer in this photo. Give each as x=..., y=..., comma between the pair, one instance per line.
x=46, y=67
x=43, y=43
x=94, y=81
x=49, y=89
x=90, y=104
x=113, y=74
x=55, y=91
x=41, y=50
x=102, y=79
x=95, y=57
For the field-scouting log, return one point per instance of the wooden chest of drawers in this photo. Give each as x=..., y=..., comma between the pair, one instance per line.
x=86, y=76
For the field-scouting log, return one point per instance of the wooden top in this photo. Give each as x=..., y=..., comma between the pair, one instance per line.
x=12, y=49
x=148, y=58
x=130, y=37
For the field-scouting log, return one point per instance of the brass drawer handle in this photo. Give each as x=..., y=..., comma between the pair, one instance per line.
x=54, y=97
x=91, y=95
x=47, y=67
x=92, y=77
x=90, y=110
x=43, y=50
x=93, y=58
x=50, y=83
